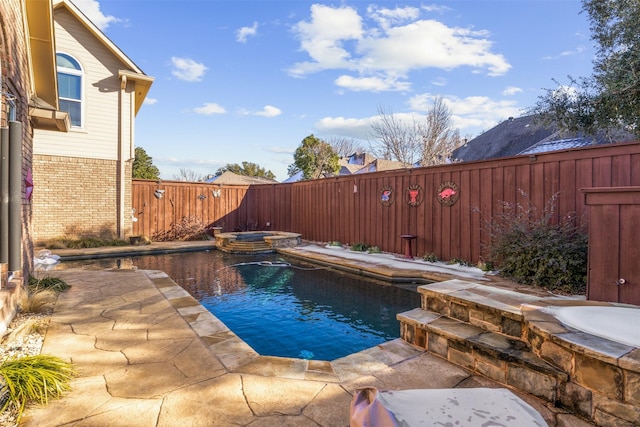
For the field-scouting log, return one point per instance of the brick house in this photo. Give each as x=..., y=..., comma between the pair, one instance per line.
x=82, y=177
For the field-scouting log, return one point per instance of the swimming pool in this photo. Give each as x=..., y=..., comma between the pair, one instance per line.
x=288, y=308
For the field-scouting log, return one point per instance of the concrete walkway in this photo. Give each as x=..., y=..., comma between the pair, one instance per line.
x=147, y=354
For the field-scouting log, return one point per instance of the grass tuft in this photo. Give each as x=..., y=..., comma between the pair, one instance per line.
x=35, y=379
x=55, y=284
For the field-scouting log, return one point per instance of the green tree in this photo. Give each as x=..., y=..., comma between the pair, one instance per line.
x=143, y=167
x=610, y=98
x=314, y=157
x=247, y=169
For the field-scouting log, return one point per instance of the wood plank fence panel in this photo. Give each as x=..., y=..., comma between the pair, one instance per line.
x=629, y=267
x=329, y=209
x=634, y=168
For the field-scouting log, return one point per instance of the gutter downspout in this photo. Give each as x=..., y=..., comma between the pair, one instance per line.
x=4, y=195
x=121, y=158
x=15, y=196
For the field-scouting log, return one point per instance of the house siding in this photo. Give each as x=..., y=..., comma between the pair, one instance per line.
x=100, y=134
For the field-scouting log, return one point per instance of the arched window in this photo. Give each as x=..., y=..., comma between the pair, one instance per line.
x=70, y=87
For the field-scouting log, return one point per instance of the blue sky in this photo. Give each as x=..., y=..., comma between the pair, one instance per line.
x=244, y=80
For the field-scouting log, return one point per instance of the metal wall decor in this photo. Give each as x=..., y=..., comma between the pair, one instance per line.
x=386, y=196
x=415, y=195
x=448, y=193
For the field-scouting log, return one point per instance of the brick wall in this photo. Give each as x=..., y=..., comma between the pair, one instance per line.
x=14, y=73
x=79, y=197
x=15, y=81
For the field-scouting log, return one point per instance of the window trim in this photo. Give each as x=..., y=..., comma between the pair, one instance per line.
x=75, y=72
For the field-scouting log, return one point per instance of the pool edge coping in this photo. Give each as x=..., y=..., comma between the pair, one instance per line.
x=239, y=357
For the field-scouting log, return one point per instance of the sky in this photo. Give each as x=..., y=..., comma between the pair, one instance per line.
x=245, y=80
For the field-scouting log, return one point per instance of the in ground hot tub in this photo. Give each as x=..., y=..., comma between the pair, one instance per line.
x=252, y=242
x=597, y=345
x=615, y=323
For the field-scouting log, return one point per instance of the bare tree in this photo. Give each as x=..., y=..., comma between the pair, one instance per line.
x=188, y=175
x=431, y=140
x=345, y=147
x=439, y=137
x=396, y=139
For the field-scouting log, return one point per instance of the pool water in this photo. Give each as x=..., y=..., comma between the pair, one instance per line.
x=289, y=308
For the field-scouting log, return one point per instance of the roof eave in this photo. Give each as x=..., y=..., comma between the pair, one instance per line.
x=41, y=50
x=142, y=85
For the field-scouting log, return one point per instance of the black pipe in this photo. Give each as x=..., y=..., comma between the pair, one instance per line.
x=15, y=196
x=4, y=195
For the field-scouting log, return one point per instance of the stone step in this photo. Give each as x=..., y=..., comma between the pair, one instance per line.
x=248, y=245
x=244, y=247
x=494, y=355
x=489, y=308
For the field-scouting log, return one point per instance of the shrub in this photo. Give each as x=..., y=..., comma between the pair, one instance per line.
x=35, y=379
x=41, y=294
x=187, y=228
x=430, y=257
x=374, y=250
x=459, y=261
x=334, y=243
x=86, y=242
x=55, y=284
x=539, y=251
x=359, y=247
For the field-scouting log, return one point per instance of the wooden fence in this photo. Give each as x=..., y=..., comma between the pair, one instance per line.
x=377, y=208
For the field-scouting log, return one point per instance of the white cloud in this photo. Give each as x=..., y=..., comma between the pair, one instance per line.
x=435, y=8
x=280, y=150
x=471, y=114
x=246, y=32
x=187, y=69
x=388, y=17
x=209, y=109
x=511, y=90
x=431, y=44
x=576, y=51
x=91, y=8
x=150, y=101
x=323, y=36
x=269, y=111
x=439, y=81
x=346, y=127
x=394, y=43
x=372, y=84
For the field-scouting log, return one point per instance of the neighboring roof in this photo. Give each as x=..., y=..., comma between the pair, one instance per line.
x=230, y=178
x=527, y=135
x=504, y=140
x=559, y=144
x=353, y=165
x=133, y=73
x=379, y=165
x=359, y=158
x=347, y=168
x=298, y=176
